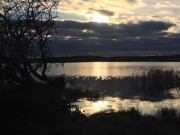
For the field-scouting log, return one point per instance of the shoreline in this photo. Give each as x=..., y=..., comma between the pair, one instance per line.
x=73, y=59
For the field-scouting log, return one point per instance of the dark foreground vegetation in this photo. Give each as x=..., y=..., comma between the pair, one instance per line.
x=42, y=109
x=40, y=113
x=129, y=122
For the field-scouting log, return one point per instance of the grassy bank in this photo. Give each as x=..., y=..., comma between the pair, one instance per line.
x=129, y=122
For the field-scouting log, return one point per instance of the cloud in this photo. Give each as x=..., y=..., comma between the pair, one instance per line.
x=113, y=31
x=109, y=48
x=165, y=13
x=132, y=1
x=168, y=4
x=81, y=38
x=110, y=8
x=114, y=11
x=103, y=12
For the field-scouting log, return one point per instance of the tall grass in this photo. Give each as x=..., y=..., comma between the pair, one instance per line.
x=157, y=79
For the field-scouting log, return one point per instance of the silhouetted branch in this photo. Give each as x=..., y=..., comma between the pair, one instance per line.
x=26, y=28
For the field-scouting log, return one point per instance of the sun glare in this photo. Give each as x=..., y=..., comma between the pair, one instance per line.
x=100, y=104
x=98, y=18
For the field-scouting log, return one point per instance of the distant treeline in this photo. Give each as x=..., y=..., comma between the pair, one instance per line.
x=171, y=58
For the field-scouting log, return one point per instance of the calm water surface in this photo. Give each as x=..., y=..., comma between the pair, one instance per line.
x=114, y=80
x=114, y=69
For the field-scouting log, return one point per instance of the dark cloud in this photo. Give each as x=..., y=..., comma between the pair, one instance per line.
x=132, y=1
x=149, y=29
x=103, y=12
x=79, y=38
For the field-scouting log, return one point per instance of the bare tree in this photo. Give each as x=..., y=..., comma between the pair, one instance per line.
x=26, y=27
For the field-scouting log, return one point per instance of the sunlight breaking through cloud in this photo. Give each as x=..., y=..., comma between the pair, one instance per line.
x=112, y=9
x=126, y=27
x=98, y=18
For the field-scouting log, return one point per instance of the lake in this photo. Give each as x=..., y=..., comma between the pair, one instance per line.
x=105, y=69
x=117, y=80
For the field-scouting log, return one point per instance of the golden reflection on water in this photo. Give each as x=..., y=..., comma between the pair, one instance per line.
x=99, y=68
x=117, y=104
x=114, y=69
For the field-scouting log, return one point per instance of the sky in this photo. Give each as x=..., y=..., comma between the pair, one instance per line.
x=117, y=28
